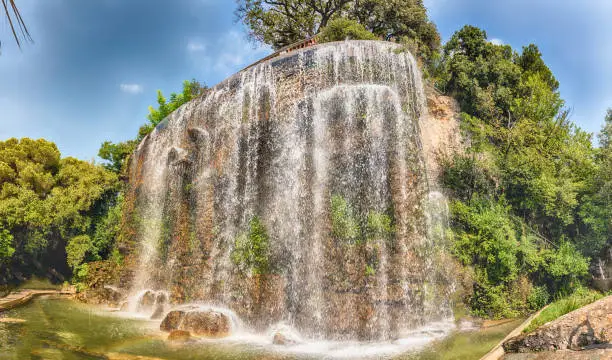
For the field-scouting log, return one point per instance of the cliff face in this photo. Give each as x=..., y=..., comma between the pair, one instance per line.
x=301, y=190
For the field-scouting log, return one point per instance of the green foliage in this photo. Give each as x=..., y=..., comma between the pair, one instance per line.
x=116, y=154
x=81, y=273
x=191, y=90
x=527, y=189
x=345, y=226
x=108, y=229
x=538, y=298
x=6, y=245
x=44, y=201
x=251, y=251
x=370, y=270
x=566, y=267
x=77, y=249
x=581, y=297
x=379, y=225
x=281, y=23
x=341, y=29
x=485, y=237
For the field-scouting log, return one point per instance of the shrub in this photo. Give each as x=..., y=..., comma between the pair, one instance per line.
x=565, y=267
x=345, y=226
x=77, y=249
x=252, y=249
x=6, y=245
x=379, y=225
x=538, y=297
x=344, y=29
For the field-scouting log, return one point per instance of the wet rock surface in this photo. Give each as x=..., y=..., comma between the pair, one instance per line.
x=284, y=339
x=179, y=335
x=158, y=313
x=594, y=354
x=208, y=323
x=585, y=327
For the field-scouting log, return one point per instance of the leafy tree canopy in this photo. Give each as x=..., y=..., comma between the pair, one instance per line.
x=282, y=22
x=45, y=200
x=530, y=201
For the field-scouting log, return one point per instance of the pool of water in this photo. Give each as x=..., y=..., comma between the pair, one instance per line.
x=57, y=328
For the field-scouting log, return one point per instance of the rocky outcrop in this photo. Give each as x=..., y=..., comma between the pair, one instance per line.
x=587, y=326
x=440, y=130
x=208, y=323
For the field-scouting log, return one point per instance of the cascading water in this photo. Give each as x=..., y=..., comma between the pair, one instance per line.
x=296, y=192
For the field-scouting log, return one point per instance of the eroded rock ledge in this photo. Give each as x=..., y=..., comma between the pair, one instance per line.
x=585, y=327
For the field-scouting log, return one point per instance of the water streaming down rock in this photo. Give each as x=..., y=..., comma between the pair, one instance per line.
x=321, y=149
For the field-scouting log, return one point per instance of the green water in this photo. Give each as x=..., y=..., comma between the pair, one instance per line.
x=63, y=329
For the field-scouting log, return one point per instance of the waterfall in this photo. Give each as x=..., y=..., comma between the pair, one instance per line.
x=296, y=192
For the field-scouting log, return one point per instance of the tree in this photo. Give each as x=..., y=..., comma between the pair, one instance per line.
x=45, y=200
x=18, y=27
x=282, y=22
x=116, y=154
x=529, y=210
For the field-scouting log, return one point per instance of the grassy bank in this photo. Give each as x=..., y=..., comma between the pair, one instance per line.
x=560, y=307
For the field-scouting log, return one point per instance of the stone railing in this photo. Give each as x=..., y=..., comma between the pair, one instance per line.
x=284, y=50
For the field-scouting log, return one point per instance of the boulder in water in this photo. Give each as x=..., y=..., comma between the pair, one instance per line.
x=208, y=323
x=112, y=294
x=282, y=339
x=147, y=300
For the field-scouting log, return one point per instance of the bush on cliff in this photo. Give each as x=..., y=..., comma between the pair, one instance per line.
x=251, y=251
x=344, y=29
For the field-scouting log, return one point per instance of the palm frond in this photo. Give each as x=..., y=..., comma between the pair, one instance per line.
x=18, y=26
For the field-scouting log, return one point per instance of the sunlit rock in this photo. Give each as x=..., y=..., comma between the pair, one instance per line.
x=208, y=323
x=587, y=326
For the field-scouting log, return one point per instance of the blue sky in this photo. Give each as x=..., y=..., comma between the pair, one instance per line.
x=95, y=65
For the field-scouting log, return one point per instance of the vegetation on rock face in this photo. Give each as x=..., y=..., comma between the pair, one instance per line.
x=283, y=22
x=345, y=226
x=46, y=203
x=348, y=227
x=529, y=196
x=251, y=251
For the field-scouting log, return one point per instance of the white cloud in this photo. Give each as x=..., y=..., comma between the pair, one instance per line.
x=194, y=46
x=496, y=41
x=131, y=88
